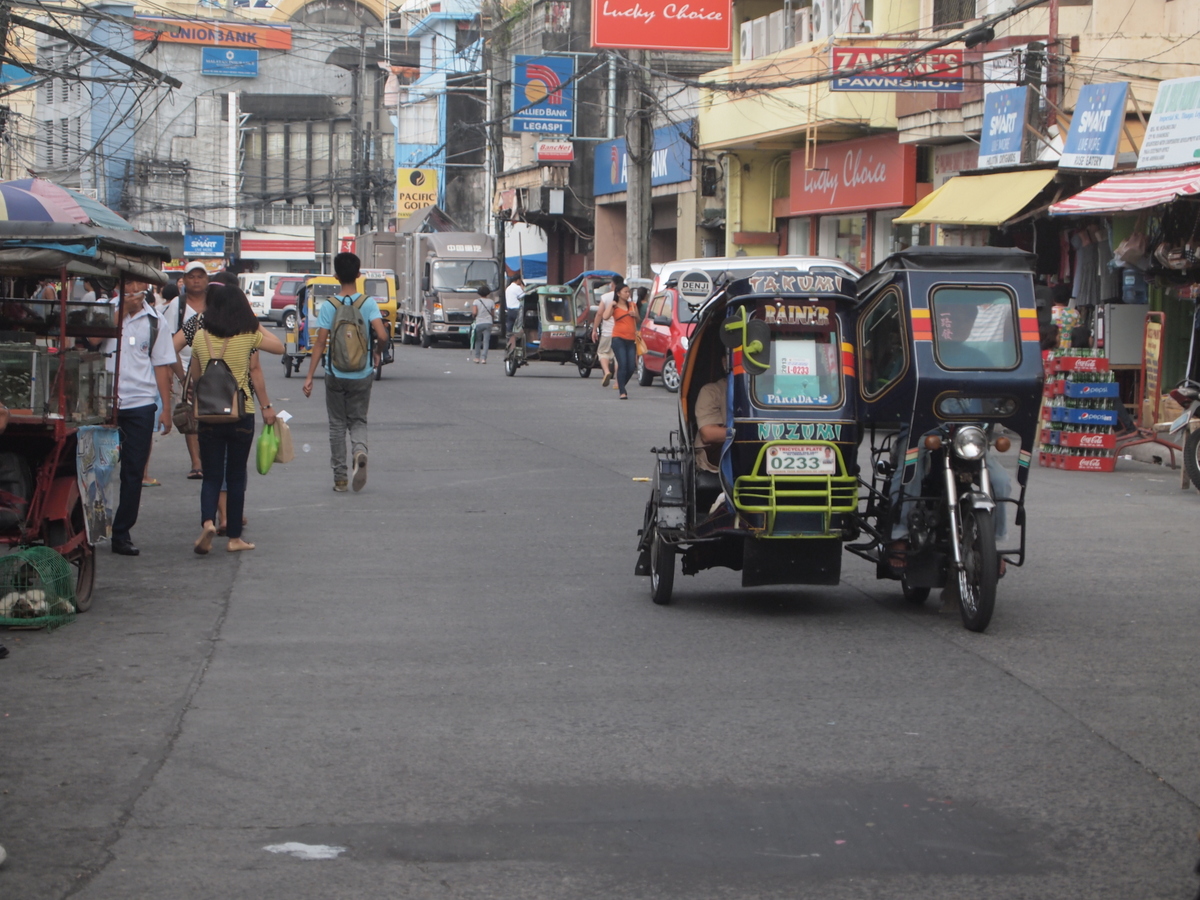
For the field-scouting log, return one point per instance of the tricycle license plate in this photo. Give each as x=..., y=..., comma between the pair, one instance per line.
x=806, y=459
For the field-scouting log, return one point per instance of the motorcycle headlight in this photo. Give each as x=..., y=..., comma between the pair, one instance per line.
x=970, y=442
x=683, y=342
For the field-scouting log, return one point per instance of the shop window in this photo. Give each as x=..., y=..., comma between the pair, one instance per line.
x=298, y=145
x=845, y=237
x=798, y=233
x=952, y=13
x=974, y=327
x=890, y=237
x=883, y=349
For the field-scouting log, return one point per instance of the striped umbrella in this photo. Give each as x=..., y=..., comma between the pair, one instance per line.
x=38, y=200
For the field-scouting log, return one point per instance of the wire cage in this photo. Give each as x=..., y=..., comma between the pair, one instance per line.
x=37, y=589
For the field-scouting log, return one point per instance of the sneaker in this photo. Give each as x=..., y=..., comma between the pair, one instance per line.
x=359, y=477
x=340, y=485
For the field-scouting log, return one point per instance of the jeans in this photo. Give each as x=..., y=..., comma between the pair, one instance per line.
x=346, y=402
x=137, y=431
x=510, y=318
x=483, y=334
x=224, y=451
x=625, y=351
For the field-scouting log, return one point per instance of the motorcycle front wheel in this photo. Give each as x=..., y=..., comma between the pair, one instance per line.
x=981, y=568
x=1191, y=457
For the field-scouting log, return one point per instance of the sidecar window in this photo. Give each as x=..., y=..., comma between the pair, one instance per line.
x=557, y=308
x=804, y=371
x=974, y=327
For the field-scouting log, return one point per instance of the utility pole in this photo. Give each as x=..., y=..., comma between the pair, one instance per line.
x=492, y=61
x=639, y=139
x=5, y=12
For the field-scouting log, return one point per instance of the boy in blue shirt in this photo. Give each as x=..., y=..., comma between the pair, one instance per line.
x=347, y=394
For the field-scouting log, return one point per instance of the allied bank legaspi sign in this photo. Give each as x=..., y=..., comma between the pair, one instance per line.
x=849, y=176
x=1002, y=141
x=543, y=94
x=1095, y=132
x=662, y=24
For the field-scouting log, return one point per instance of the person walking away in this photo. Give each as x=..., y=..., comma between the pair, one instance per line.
x=602, y=330
x=347, y=390
x=144, y=380
x=624, y=334
x=484, y=319
x=231, y=332
x=192, y=303
x=512, y=302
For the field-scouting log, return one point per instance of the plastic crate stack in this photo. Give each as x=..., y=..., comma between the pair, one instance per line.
x=1079, y=416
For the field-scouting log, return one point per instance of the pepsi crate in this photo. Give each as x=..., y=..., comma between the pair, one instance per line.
x=1083, y=416
x=1092, y=390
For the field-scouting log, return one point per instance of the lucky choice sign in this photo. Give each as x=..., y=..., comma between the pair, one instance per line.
x=662, y=24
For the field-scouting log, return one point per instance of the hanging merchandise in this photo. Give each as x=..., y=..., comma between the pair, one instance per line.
x=1079, y=413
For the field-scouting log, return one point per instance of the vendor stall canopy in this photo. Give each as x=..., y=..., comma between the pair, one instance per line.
x=1132, y=192
x=44, y=227
x=979, y=200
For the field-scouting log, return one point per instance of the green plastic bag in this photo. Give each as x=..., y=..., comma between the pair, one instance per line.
x=268, y=446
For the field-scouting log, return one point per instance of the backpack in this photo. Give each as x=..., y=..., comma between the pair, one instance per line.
x=349, y=341
x=216, y=396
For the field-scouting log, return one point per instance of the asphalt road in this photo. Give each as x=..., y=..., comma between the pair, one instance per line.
x=455, y=677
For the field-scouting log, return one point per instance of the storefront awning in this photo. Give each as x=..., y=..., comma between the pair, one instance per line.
x=979, y=199
x=1129, y=193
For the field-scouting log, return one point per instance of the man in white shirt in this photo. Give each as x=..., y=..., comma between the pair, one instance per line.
x=512, y=301
x=147, y=355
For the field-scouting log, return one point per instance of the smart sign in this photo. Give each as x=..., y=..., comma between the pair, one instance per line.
x=543, y=94
x=1003, y=138
x=203, y=245
x=1096, y=127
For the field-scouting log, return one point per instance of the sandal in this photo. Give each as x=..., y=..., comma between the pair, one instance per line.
x=151, y=482
x=896, y=558
x=195, y=475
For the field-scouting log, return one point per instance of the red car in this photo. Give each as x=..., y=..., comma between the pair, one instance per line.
x=666, y=329
x=283, y=301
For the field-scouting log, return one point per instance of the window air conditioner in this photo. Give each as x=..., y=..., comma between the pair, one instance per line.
x=820, y=19
x=804, y=29
x=747, y=53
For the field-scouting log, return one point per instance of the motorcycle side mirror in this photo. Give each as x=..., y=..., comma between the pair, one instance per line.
x=756, y=352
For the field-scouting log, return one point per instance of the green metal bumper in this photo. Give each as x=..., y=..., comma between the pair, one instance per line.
x=794, y=505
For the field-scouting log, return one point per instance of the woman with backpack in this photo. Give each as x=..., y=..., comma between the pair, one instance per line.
x=230, y=333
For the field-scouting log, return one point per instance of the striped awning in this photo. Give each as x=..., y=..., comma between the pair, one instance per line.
x=1131, y=192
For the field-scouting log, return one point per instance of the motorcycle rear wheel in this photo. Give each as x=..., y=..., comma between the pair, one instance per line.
x=1191, y=457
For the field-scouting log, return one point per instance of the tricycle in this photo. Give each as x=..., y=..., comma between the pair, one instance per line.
x=544, y=330
x=788, y=370
x=297, y=345
x=53, y=382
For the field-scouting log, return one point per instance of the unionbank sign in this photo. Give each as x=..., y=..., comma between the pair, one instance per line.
x=1003, y=137
x=214, y=33
x=543, y=94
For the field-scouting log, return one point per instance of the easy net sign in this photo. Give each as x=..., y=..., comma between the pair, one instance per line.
x=885, y=69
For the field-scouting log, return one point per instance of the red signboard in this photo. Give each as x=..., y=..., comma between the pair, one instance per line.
x=346, y=244
x=217, y=34
x=850, y=176
x=662, y=24
x=555, y=152
x=890, y=69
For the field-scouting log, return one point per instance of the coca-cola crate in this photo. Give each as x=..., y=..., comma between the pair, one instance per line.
x=1047, y=413
x=1080, y=364
x=1076, y=440
x=1091, y=390
x=1087, y=463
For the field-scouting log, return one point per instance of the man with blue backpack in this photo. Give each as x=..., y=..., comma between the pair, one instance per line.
x=350, y=337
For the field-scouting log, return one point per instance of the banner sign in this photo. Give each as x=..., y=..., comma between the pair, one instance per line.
x=261, y=37
x=229, y=63
x=204, y=245
x=896, y=70
x=97, y=464
x=849, y=176
x=702, y=25
x=415, y=189
x=1003, y=139
x=670, y=160
x=1096, y=127
x=1173, y=133
x=543, y=94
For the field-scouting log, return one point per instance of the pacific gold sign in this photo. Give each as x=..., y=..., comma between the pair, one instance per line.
x=415, y=189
